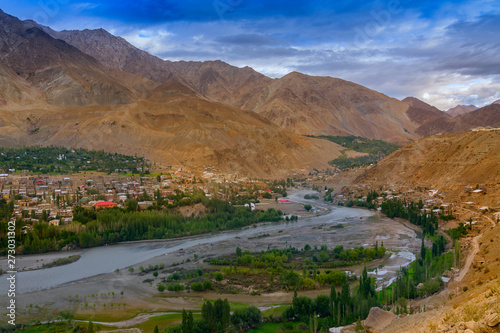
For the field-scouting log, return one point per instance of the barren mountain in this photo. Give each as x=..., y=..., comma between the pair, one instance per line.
x=488, y=116
x=295, y=102
x=328, y=106
x=461, y=109
x=14, y=90
x=178, y=127
x=215, y=80
x=465, y=158
x=430, y=118
x=94, y=90
x=67, y=76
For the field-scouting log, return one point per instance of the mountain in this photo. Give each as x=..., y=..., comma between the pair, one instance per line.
x=296, y=102
x=176, y=126
x=329, y=106
x=215, y=80
x=431, y=119
x=461, y=109
x=95, y=90
x=488, y=116
x=466, y=158
x=67, y=76
x=496, y=102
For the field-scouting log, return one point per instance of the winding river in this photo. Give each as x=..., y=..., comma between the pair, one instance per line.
x=106, y=259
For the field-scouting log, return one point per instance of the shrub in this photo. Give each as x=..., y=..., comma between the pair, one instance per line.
x=196, y=286
x=207, y=285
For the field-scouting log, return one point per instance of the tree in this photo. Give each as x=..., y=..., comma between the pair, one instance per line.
x=156, y=329
x=185, y=322
x=248, y=318
x=90, y=328
x=307, y=207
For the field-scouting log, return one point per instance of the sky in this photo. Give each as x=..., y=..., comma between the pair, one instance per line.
x=445, y=53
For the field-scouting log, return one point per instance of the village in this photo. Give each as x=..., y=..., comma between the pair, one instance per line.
x=52, y=198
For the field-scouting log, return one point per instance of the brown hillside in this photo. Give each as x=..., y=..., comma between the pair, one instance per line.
x=465, y=158
x=488, y=116
x=297, y=102
x=431, y=119
x=461, y=109
x=67, y=76
x=177, y=127
x=323, y=105
x=215, y=80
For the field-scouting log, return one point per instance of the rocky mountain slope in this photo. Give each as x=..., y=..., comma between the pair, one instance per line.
x=465, y=158
x=296, y=102
x=328, y=106
x=433, y=121
x=461, y=109
x=177, y=127
x=67, y=76
x=92, y=89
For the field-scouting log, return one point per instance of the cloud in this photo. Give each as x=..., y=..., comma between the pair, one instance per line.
x=446, y=50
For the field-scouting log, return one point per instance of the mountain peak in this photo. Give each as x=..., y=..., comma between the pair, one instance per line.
x=461, y=109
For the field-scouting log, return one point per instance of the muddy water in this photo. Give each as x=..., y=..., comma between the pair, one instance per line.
x=360, y=227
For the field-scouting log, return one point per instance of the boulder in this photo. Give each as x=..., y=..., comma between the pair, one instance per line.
x=378, y=319
x=492, y=320
x=472, y=326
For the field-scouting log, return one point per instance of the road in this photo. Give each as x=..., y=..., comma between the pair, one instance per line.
x=470, y=258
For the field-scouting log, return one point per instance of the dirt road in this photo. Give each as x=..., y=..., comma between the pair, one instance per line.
x=470, y=258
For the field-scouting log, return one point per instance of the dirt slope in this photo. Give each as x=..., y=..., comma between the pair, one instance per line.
x=465, y=158
x=461, y=109
x=176, y=126
x=324, y=105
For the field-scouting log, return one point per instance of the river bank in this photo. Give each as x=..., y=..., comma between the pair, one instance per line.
x=48, y=290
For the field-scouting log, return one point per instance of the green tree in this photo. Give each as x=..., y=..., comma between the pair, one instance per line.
x=307, y=207
x=90, y=328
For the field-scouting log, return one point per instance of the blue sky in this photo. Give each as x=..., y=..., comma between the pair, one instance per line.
x=443, y=52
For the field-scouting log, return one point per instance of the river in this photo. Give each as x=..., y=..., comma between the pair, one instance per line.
x=106, y=259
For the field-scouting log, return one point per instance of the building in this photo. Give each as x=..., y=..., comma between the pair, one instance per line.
x=105, y=204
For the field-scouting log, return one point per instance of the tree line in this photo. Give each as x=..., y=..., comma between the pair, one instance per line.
x=97, y=228
x=61, y=160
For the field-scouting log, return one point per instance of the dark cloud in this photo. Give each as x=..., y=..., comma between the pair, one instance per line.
x=444, y=49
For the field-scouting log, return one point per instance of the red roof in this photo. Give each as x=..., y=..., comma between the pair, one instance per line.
x=259, y=197
x=268, y=191
x=105, y=203
x=39, y=182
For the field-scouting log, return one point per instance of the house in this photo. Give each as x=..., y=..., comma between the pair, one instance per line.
x=284, y=201
x=105, y=204
x=54, y=223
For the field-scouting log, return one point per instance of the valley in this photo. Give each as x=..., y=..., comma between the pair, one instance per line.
x=140, y=193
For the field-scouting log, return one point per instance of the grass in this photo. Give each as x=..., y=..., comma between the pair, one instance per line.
x=162, y=322
x=62, y=261
x=270, y=328
x=274, y=311
x=108, y=314
x=54, y=328
x=267, y=328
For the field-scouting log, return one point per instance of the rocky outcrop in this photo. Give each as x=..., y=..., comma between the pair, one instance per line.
x=489, y=323
x=378, y=319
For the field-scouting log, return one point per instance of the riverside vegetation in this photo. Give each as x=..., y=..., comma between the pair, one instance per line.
x=96, y=228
